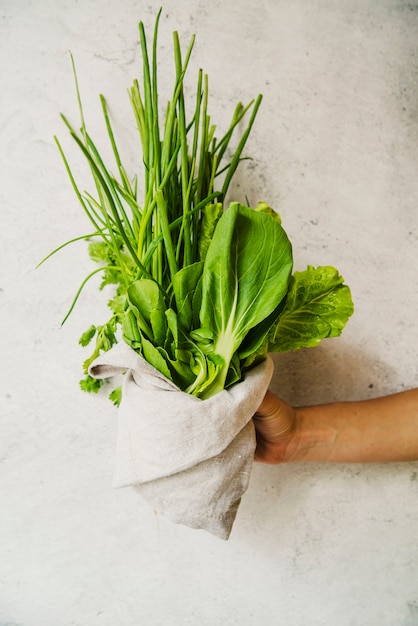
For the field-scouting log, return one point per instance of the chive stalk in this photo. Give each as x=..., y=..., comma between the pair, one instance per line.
x=182, y=162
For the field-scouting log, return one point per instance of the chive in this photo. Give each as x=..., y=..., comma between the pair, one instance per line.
x=99, y=269
x=67, y=243
x=181, y=164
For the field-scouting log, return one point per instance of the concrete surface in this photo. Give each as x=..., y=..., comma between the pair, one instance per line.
x=335, y=152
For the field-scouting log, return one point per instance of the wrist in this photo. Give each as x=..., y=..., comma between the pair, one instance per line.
x=306, y=439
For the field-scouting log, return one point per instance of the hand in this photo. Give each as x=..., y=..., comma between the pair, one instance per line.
x=379, y=430
x=275, y=425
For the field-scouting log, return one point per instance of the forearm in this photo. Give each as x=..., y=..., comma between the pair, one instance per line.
x=379, y=430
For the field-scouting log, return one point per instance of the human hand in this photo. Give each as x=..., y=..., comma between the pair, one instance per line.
x=275, y=425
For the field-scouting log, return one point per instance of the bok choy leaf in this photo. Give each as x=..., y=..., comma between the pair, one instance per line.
x=245, y=277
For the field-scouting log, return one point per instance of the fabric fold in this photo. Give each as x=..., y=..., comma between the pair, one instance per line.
x=190, y=459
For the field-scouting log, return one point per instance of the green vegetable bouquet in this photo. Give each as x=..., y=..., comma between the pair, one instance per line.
x=203, y=292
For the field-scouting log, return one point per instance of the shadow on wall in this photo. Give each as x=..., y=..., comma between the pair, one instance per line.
x=298, y=505
x=332, y=371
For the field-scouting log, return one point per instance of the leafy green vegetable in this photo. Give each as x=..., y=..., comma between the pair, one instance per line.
x=245, y=277
x=116, y=396
x=91, y=385
x=201, y=291
x=250, y=305
x=318, y=305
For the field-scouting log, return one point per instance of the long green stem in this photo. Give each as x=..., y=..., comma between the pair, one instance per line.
x=165, y=227
x=173, y=225
x=112, y=207
x=74, y=184
x=237, y=154
x=184, y=153
x=67, y=243
x=80, y=289
x=182, y=164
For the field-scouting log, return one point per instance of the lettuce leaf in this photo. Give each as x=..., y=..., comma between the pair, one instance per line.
x=317, y=306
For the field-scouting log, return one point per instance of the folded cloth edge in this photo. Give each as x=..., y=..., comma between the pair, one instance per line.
x=202, y=490
x=162, y=433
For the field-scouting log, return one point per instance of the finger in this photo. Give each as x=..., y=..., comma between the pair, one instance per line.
x=268, y=406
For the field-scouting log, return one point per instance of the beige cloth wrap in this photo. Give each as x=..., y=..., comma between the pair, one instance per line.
x=190, y=459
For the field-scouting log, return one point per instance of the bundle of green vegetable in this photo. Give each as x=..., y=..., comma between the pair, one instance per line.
x=203, y=291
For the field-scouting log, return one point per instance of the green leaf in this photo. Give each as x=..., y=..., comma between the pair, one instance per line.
x=147, y=307
x=131, y=328
x=117, y=305
x=246, y=272
x=206, y=373
x=155, y=358
x=87, y=336
x=91, y=385
x=116, y=396
x=263, y=207
x=158, y=325
x=172, y=321
x=99, y=251
x=106, y=335
x=184, y=286
x=196, y=304
x=318, y=305
x=234, y=371
x=211, y=214
x=181, y=369
x=146, y=296
x=110, y=277
x=245, y=277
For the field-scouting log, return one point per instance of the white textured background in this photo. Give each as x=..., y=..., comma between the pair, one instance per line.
x=335, y=149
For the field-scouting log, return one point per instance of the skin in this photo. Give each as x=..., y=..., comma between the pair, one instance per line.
x=379, y=430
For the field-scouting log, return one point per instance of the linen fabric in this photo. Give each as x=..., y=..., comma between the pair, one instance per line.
x=190, y=459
